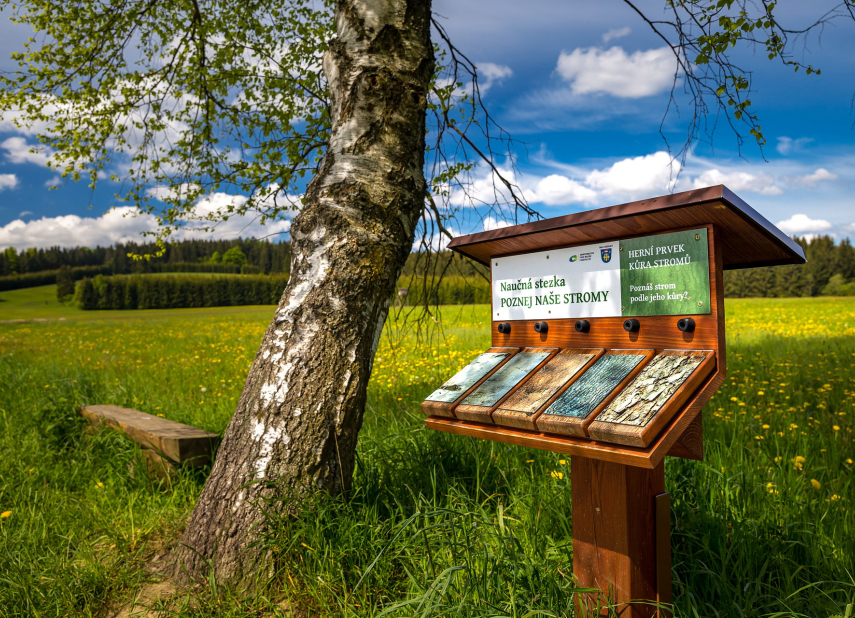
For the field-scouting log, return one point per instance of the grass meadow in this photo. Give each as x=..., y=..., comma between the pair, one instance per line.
x=438, y=525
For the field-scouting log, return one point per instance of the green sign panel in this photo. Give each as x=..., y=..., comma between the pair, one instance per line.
x=666, y=274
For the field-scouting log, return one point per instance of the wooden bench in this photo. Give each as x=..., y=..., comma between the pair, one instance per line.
x=164, y=443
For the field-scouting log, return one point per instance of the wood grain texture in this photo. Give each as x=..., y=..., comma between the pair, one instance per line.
x=614, y=533
x=690, y=444
x=479, y=405
x=643, y=408
x=657, y=332
x=567, y=445
x=521, y=408
x=180, y=443
x=441, y=403
x=750, y=240
x=575, y=409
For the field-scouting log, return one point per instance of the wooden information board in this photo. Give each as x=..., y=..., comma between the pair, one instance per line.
x=608, y=339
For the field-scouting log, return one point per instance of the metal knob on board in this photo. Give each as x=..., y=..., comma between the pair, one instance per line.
x=504, y=328
x=541, y=327
x=631, y=325
x=583, y=326
x=687, y=325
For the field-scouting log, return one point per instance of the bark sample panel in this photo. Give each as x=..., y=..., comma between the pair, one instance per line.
x=520, y=408
x=467, y=377
x=575, y=409
x=500, y=383
x=650, y=400
x=595, y=385
x=479, y=404
x=652, y=388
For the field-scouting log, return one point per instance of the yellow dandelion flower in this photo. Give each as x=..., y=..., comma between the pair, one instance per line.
x=815, y=484
x=5, y=514
x=734, y=399
x=562, y=462
x=761, y=393
x=799, y=459
x=765, y=426
x=557, y=475
x=836, y=427
x=99, y=485
x=849, y=461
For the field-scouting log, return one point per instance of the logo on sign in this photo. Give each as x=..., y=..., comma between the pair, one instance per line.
x=606, y=254
x=573, y=258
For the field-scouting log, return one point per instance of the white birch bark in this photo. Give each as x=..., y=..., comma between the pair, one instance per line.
x=297, y=421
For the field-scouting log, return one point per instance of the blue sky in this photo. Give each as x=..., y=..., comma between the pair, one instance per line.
x=585, y=86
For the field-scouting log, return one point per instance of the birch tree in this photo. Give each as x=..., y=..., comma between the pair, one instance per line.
x=178, y=99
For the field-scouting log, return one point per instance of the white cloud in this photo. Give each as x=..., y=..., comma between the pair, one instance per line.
x=636, y=177
x=164, y=192
x=491, y=223
x=787, y=145
x=19, y=151
x=484, y=189
x=126, y=223
x=8, y=181
x=613, y=71
x=642, y=177
x=800, y=223
x=739, y=181
x=124, y=124
x=616, y=33
x=118, y=225
x=555, y=190
x=490, y=74
x=631, y=178
x=53, y=182
x=810, y=180
x=25, y=213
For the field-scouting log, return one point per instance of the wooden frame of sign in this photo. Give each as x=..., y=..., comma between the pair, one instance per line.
x=621, y=537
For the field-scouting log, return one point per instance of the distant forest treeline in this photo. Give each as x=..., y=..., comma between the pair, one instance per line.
x=177, y=291
x=267, y=257
x=830, y=271
x=442, y=278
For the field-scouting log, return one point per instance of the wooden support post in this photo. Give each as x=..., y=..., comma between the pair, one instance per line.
x=615, y=525
x=663, y=554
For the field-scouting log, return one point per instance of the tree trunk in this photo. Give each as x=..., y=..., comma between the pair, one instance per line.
x=301, y=409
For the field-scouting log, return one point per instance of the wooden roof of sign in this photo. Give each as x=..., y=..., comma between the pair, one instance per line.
x=748, y=239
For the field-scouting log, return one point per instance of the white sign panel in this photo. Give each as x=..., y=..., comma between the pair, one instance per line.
x=579, y=282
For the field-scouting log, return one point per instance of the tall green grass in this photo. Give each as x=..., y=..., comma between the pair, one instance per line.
x=437, y=525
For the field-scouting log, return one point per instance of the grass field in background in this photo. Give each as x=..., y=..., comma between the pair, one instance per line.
x=40, y=303
x=450, y=526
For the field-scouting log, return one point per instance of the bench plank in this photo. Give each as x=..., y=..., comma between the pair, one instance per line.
x=180, y=443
